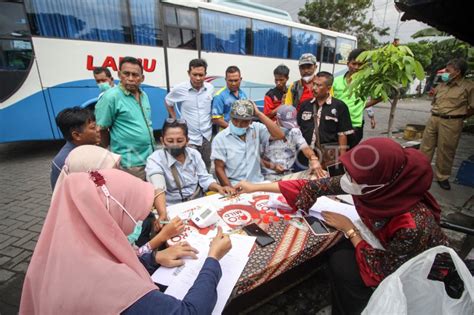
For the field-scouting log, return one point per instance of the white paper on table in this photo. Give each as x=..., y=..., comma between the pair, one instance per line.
x=180, y=279
x=326, y=204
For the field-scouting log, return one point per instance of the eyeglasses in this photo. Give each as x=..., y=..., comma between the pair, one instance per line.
x=176, y=120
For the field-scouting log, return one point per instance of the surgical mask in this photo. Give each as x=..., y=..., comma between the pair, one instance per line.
x=104, y=86
x=175, y=150
x=237, y=130
x=445, y=77
x=308, y=78
x=355, y=189
x=137, y=230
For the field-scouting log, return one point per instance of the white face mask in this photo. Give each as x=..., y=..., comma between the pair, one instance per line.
x=308, y=78
x=355, y=189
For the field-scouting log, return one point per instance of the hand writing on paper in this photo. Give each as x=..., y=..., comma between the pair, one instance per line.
x=338, y=221
x=157, y=225
x=171, y=257
x=175, y=227
x=220, y=245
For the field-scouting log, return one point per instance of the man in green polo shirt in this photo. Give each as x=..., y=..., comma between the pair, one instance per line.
x=356, y=105
x=123, y=114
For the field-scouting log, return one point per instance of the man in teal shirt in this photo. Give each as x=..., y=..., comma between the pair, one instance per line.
x=355, y=105
x=123, y=114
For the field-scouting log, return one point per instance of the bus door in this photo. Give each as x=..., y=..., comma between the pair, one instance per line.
x=23, y=111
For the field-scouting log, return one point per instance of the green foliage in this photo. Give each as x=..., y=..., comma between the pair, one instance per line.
x=346, y=16
x=385, y=71
x=429, y=31
x=423, y=52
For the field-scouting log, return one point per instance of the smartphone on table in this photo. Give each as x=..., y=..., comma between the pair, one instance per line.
x=317, y=226
x=263, y=238
x=335, y=169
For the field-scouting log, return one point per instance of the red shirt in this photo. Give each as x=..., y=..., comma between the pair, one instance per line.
x=403, y=236
x=273, y=99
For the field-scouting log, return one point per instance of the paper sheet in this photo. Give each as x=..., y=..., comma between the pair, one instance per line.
x=180, y=279
x=326, y=204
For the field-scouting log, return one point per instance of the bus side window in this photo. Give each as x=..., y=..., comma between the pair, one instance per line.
x=181, y=26
x=343, y=47
x=91, y=20
x=224, y=33
x=329, y=49
x=303, y=41
x=145, y=21
x=269, y=39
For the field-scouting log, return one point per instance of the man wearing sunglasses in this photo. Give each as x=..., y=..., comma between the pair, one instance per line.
x=124, y=117
x=193, y=100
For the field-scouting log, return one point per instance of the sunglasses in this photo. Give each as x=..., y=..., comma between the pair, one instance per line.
x=175, y=120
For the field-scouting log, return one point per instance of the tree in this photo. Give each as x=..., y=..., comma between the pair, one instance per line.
x=423, y=52
x=348, y=16
x=384, y=72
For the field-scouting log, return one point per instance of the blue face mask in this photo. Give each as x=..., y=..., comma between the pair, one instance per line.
x=445, y=77
x=237, y=130
x=104, y=86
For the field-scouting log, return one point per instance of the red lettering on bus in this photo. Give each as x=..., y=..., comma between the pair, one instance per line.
x=90, y=63
x=109, y=62
x=149, y=65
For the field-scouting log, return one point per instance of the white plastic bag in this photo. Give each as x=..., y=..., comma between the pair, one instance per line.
x=409, y=291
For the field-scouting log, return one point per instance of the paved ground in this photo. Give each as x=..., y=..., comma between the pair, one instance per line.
x=25, y=194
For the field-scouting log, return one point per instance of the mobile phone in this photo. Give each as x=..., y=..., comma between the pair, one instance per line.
x=335, y=169
x=263, y=239
x=316, y=225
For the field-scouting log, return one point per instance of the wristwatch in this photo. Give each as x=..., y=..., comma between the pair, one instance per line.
x=351, y=233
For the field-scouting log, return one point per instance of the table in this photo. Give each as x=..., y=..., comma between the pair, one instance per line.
x=292, y=247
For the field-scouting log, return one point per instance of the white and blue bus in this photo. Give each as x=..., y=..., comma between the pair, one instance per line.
x=48, y=49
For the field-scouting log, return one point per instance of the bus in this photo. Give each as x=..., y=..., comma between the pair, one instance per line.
x=48, y=49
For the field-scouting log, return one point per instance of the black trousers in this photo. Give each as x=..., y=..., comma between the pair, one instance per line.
x=349, y=294
x=356, y=137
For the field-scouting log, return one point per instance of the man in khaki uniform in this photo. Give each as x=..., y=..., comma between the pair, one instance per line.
x=452, y=103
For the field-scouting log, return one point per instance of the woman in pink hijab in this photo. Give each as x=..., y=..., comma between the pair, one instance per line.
x=83, y=262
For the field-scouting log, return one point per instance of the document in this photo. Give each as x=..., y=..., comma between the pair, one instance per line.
x=180, y=279
x=326, y=204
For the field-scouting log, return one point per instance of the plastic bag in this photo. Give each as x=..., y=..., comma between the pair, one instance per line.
x=408, y=291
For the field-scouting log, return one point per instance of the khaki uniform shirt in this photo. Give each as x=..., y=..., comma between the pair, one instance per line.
x=454, y=98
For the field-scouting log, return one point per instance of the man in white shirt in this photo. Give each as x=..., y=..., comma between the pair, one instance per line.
x=193, y=101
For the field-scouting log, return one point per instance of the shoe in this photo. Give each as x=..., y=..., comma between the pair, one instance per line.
x=444, y=184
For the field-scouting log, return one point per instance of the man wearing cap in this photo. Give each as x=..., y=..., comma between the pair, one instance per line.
x=280, y=155
x=302, y=90
x=236, y=150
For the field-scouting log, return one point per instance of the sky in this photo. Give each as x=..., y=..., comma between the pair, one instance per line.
x=405, y=29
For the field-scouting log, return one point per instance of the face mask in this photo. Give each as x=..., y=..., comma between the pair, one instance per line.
x=308, y=78
x=104, y=86
x=137, y=230
x=175, y=150
x=237, y=130
x=355, y=189
x=445, y=77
